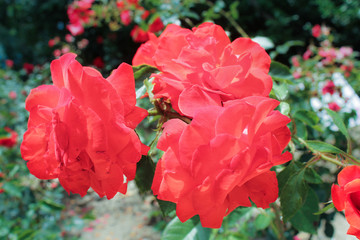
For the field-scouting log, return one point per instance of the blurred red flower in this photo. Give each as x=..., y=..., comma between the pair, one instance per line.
x=9, y=141
x=29, y=68
x=98, y=62
x=80, y=129
x=316, y=31
x=329, y=88
x=156, y=26
x=9, y=63
x=12, y=95
x=346, y=196
x=222, y=158
x=138, y=34
x=334, y=106
x=125, y=17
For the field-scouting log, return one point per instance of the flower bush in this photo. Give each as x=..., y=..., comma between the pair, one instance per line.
x=235, y=140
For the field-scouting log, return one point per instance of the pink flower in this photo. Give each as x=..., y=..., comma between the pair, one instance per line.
x=12, y=95
x=75, y=28
x=346, y=51
x=69, y=38
x=307, y=54
x=125, y=17
x=295, y=61
x=83, y=43
x=51, y=43
x=334, y=106
x=316, y=31
x=297, y=74
x=65, y=49
x=9, y=63
x=57, y=53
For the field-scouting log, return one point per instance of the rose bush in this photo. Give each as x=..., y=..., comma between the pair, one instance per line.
x=80, y=129
x=222, y=158
x=346, y=196
x=203, y=67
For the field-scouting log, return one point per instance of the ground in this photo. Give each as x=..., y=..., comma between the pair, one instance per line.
x=122, y=218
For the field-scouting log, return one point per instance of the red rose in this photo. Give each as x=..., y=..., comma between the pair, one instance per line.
x=80, y=129
x=329, y=88
x=156, y=26
x=9, y=141
x=222, y=158
x=334, y=106
x=145, y=53
x=204, y=64
x=347, y=196
x=316, y=31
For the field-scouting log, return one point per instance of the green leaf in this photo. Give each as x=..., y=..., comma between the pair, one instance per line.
x=312, y=177
x=280, y=72
x=27, y=234
x=12, y=189
x=166, y=207
x=308, y=117
x=284, y=48
x=304, y=219
x=293, y=195
x=328, y=207
x=262, y=221
x=233, y=10
x=301, y=130
x=323, y=147
x=53, y=205
x=281, y=91
x=189, y=230
x=143, y=72
x=338, y=122
x=149, y=87
x=145, y=170
x=140, y=92
x=284, y=108
x=293, y=168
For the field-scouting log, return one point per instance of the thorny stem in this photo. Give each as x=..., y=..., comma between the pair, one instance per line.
x=323, y=156
x=165, y=112
x=278, y=227
x=231, y=20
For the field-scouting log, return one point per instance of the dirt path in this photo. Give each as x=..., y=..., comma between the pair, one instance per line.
x=121, y=218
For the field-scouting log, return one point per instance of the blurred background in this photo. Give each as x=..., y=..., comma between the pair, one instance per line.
x=314, y=39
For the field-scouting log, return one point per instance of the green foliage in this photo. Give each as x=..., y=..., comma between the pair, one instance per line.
x=188, y=230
